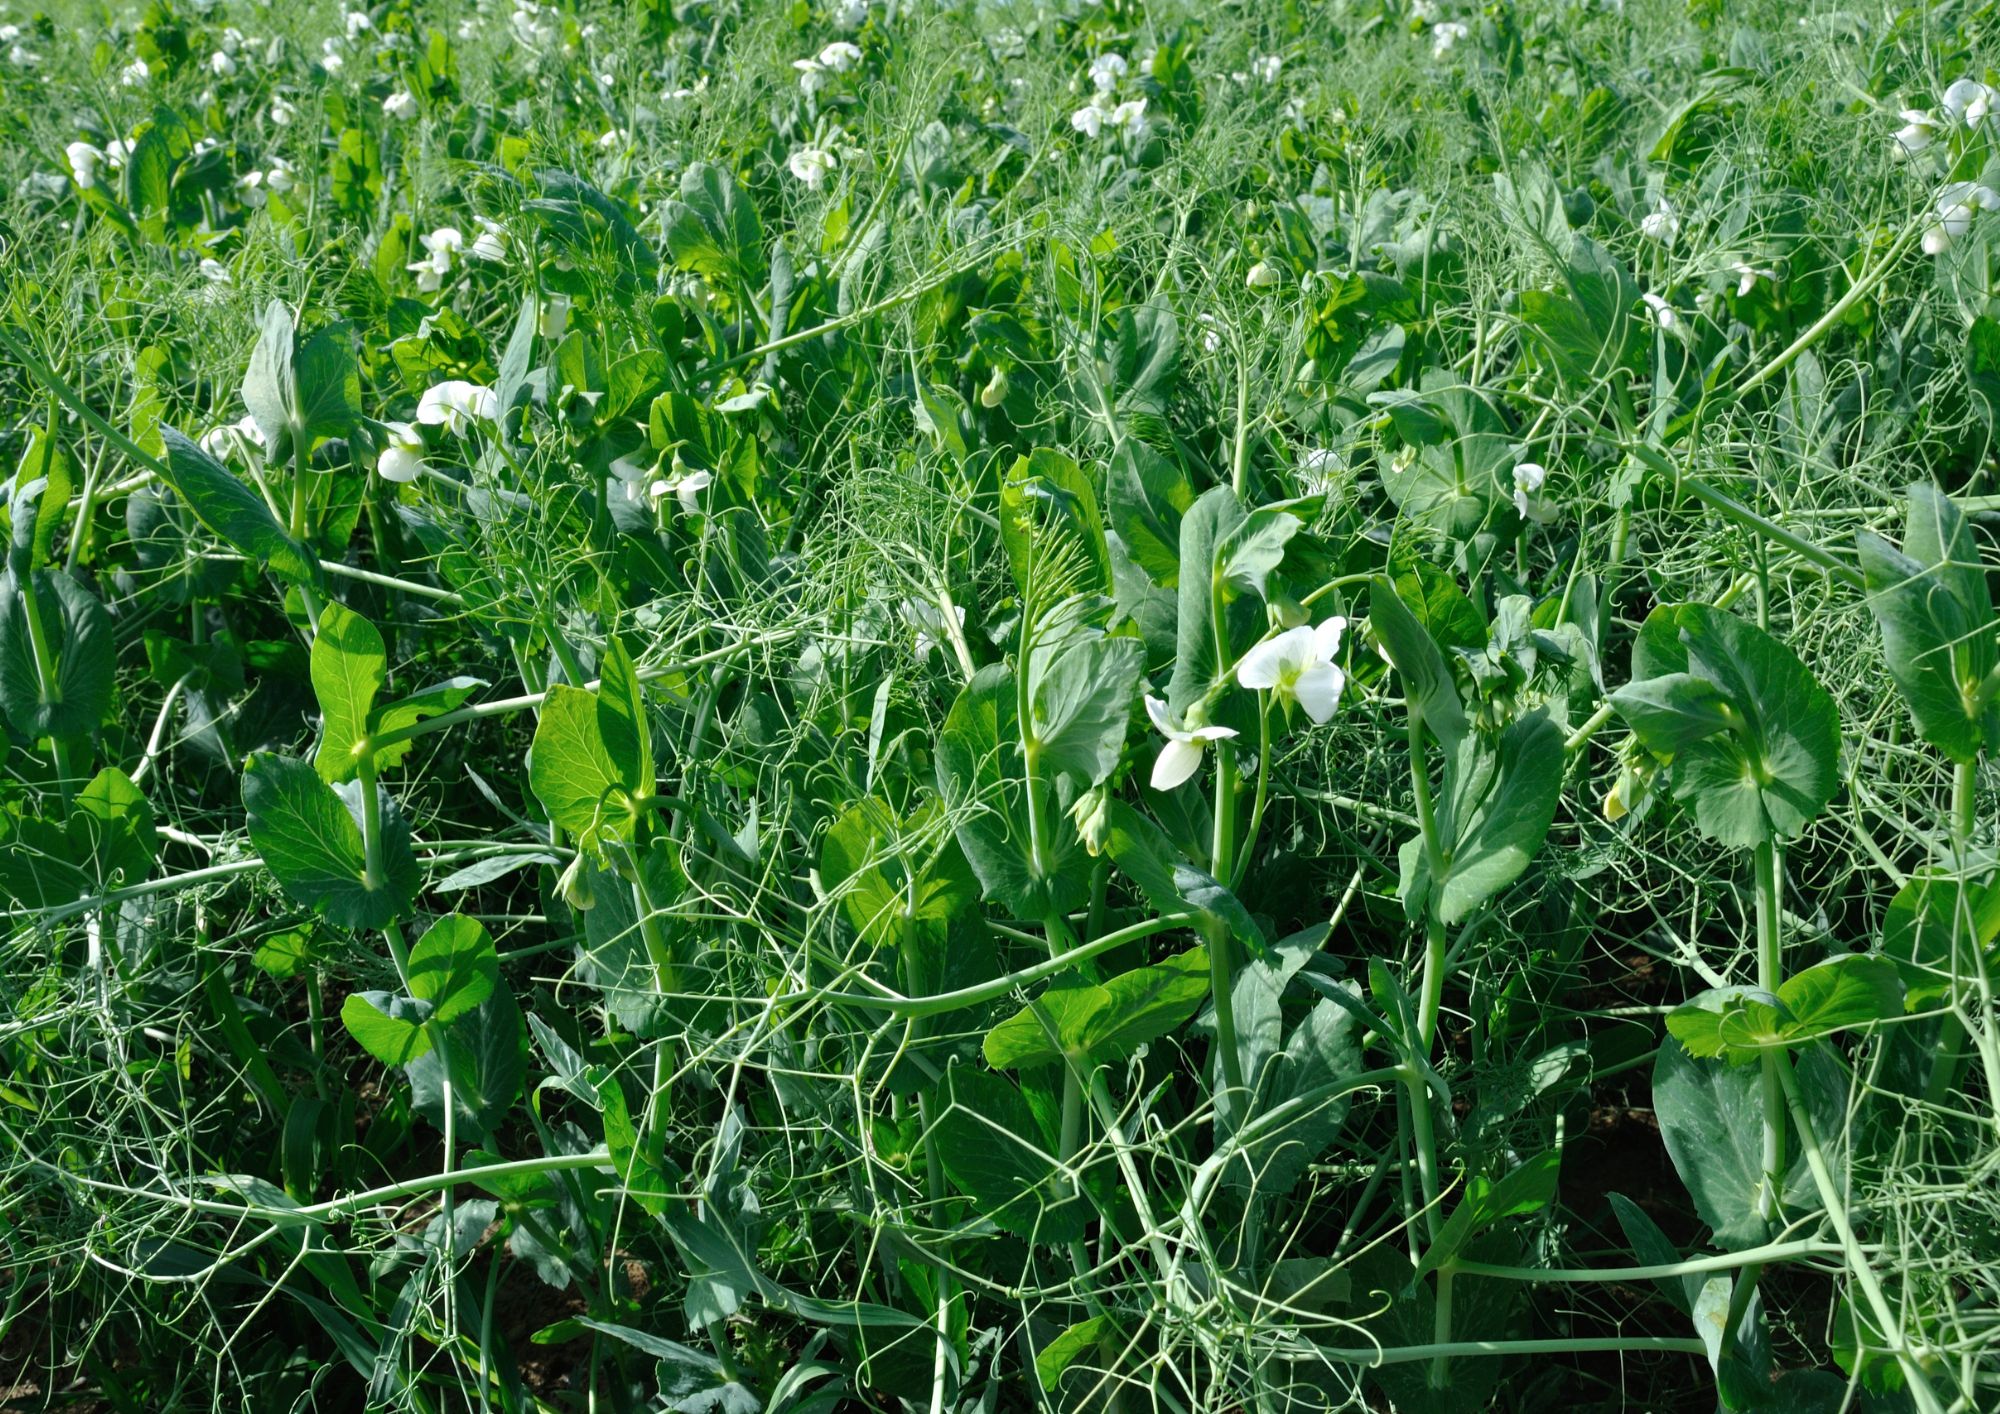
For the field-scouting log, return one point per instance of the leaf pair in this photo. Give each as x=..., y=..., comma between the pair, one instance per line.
x=453, y=968
x=349, y=666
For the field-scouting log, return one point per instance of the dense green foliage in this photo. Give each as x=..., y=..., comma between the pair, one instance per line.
x=988, y=706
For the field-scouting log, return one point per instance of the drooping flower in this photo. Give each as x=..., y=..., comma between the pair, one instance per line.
x=400, y=104
x=1298, y=665
x=456, y=404
x=442, y=244
x=1662, y=312
x=1660, y=224
x=1088, y=120
x=1955, y=206
x=554, y=316
x=135, y=73
x=1919, y=130
x=811, y=165
x=840, y=56
x=1447, y=34
x=1263, y=276
x=1747, y=277
x=490, y=243
x=1529, y=478
x=1182, y=753
x=221, y=64
x=282, y=113
x=1968, y=101
x=230, y=440
x=403, y=458
x=685, y=482
x=84, y=160
x=278, y=176
x=1106, y=70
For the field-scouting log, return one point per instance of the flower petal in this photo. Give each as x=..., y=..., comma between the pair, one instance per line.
x=1178, y=760
x=1318, y=690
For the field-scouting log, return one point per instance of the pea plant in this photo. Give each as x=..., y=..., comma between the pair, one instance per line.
x=730, y=707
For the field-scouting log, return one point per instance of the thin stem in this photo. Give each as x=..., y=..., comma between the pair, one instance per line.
x=1770, y=974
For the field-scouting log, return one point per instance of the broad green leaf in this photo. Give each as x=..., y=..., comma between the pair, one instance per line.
x=1938, y=629
x=269, y=388
x=1146, y=496
x=1198, y=660
x=898, y=883
x=1089, y=1341
x=573, y=773
x=309, y=835
x=979, y=771
x=712, y=226
x=998, y=1155
x=1081, y=700
x=487, y=1047
x=1428, y=685
x=327, y=385
x=1775, y=770
x=349, y=665
x=149, y=174
x=1103, y=1021
x=1672, y=711
x=1918, y=931
x=1247, y=556
x=1734, y=1024
x=388, y=1027
x=621, y=715
x=1839, y=993
x=1170, y=883
x=1052, y=531
x=232, y=510
x=40, y=500
x=112, y=832
x=77, y=634
x=1498, y=801
x=454, y=967
x=1526, y=1188
x=432, y=701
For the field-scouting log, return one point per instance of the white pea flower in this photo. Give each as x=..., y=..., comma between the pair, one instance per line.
x=840, y=56
x=850, y=14
x=9, y=33
x=1660, y=224
x=1211, y=337
x=1968, y=101
x=358, y=23
x=1106, y=70
x=115, y=153
x=84, y=160
x=812, y=78
x=1182, y=753
x=279, y=176
x=403, y=459
x=1298, y=665
x=400, y=104
x=1919, y=130
x=1747, y=277
x=632, y=477
x=685, y=482
x=1319, y=467
x=442, y=244
x=1424, y=12
x=250, y=189
x=811, y=164
x=331, y=59
x=613, y=140
x=135, y=73
x=491, y=242
x=22, y=57
x=1130, y=114
x=456, y=404
x=1662, y=312
x=221, y=65
x=1955, y=206
x=928, y=619
x=231, y=439
x=1265, y=67
x=554, y=316
x=1529, y=478
x=1263, y=276
x=232, y=41
x=1088, y=120
x=1444, y=36
x=51, y=185
x=282, y=113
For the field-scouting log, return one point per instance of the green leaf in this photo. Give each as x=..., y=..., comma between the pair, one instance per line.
x=232, y=510
x=1198, y=659
x=1087, y=1339
x=1105, y=1021
x=712, y=227
x=309, y=835
x=1050, y=526
x=1527, y=1188
x=1172, y=885
x=389, y=1028
x=111, y=831
x=573, y=773
x=899, y=884
x=1496, y=807
x=487, y=1048
x=1840, y=993
x=432, y=701
x=454, y=967
x=1428, y=685
x=269, y=390
x=349, y=665
x=1247, y=556
x=1672, y=711
x=1735, y=1024
x=1938, y=631
x=621, y=716
x=327, y=391
x=1776, y=769
x=998, y=1155
x=40, y=500
x=1931, y=929
x=149, y=174
x=978, y=763
x=1081, y=700
x=78, y=635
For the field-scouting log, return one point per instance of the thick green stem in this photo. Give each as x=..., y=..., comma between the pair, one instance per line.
x=1770, y=974
x=1221, y=962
